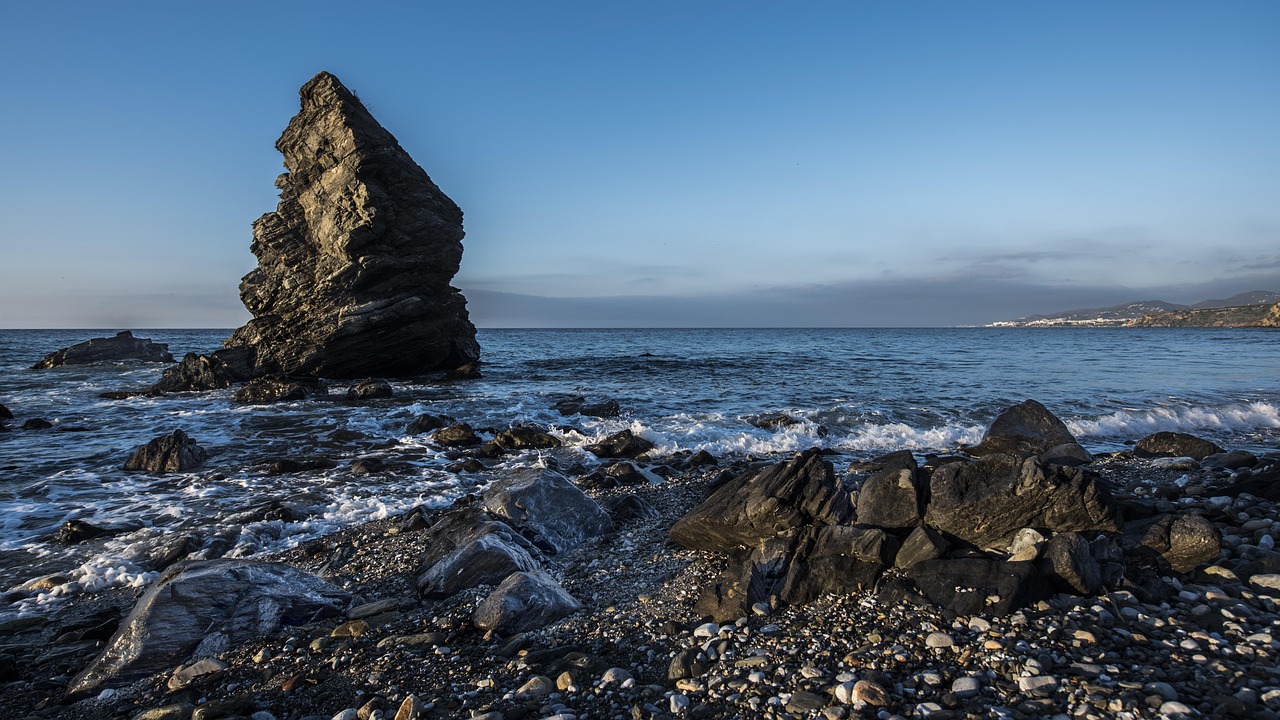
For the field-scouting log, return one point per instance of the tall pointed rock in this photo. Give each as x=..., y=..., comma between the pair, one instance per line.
x=355, y=263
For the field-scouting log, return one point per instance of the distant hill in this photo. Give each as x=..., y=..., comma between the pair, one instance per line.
x=1129, y=313
x=1238, y=316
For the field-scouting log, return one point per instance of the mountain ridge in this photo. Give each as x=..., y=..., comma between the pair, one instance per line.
x=1148, y=311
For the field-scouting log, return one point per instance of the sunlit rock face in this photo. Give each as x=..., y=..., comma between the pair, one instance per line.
x=355, y=263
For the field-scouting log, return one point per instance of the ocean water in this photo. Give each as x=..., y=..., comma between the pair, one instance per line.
x=860, y=392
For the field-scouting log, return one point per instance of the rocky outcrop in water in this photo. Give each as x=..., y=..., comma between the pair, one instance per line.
x=175, y=452
x=355, y=263
x=124, y=346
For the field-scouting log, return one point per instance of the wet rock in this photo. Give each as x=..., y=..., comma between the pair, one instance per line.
x=426, y=423
x=467, y=548
x=548, y=508
x=622, y=444
x=368, y=466
x=355, y=263
x=892, y=499
x=702, y=458
x=1069, y=565
x=971, y=586
x=201, y=609
x=579, y=406
x=37, y=424
x=289, y=466
x=72, y=532
x=1024, y=429
x=465, y=371
x=524, y=601
x=172, y=550
x=1071, y=454
x=278, y=388
x=220, y=369
x=459, y=435
x=1174, y=444
x=986, y=502
x=5, y=413
x=175, y=452
x=758, y=505
x=370, y=390
x=124, y=346
x=773, y=421
x=525, y=437
x=1234, y=460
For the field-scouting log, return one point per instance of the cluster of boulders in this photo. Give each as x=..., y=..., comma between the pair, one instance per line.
x=985, y=533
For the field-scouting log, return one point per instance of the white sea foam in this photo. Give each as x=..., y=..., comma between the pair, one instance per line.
x=1137, y=423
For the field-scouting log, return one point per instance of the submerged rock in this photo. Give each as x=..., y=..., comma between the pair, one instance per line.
x=201, y=609
x=578, y=405
x=175, y=452
x=278, y=388
x=370, y=390
x=355, y=263
x=624, y=444
x=124, y=346
x=1024, y=429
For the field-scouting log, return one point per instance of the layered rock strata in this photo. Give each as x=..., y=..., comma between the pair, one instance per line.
x=124, y=346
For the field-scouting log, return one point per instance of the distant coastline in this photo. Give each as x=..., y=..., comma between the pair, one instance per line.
x=1258, y=309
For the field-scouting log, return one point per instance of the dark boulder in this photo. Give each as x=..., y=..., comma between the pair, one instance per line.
x=978, y=585
x=37, y=424
x=425, y=423
x=986, y=502
x=354, y=264
x=1233, y=460
x=459, y=435
x=124, y=346
x=758, y=505
x=892, y=499
x=524, y=601
x=1181, y=543
x=1069, y=565
x=175, y=452
x=624, y=444
x=1024, y=429
x=368, y=466
x=201, y=609
x=1174, y=444
x=547, y=508
x=278, y=388
x=773, y=421
x=1262, y=481
x=525, y=437
x=468, y=547
x=1071, y=454
x=5, y=413
x=221, y=369
x=625, y=508
x=924, y=543
x=702, y=458
x=289, y=466
x=579, y=406
x=72, y=532
x=370, y=390
x=465, y=371
x=834, y=559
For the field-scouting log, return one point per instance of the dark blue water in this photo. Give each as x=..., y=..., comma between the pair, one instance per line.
x=860, y=392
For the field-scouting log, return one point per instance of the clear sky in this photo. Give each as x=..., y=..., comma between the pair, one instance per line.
x=663, y=163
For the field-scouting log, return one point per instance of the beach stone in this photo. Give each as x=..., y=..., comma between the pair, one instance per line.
x=803, y=701
x=615, y=676
x=468, y=547
x=625, y=508
x=986, y=502
x=1022, y=430
x=524, y=601
x=123, y=346
x=1026, y=545
x=410, y=708
x=871, y=693
x=174, y=711
x=970, y=586
x=526, y=437
x=354, y=264
x=220, y=369
x=370, y=390
x=578, y=405
x=276, y=388
x=200, y=609
x=1183, y=543
x=939, y=640
x=426, y=422
x=1069, y=564
x=458, y=435
x=891, y=499
x=200, y=670
x=966, y=687
x=1175, y=444
x=758, y=505
x=1038, y=685
x=924, y=543
x=175, y=452
x=624, y=444
x=548, y=508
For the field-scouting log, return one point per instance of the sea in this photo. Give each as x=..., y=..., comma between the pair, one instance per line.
x=856, y=392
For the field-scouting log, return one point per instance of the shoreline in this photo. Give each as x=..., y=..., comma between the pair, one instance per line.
x=1106, y=656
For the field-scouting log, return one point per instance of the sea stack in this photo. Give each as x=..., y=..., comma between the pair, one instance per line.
x=355, y=263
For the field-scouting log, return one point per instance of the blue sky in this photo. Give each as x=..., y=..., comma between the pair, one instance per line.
x=905, y=163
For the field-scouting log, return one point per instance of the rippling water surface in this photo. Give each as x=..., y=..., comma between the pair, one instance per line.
x=861, y=392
